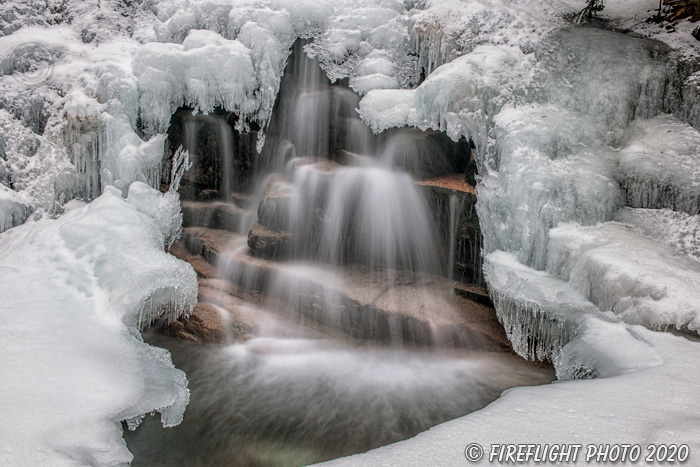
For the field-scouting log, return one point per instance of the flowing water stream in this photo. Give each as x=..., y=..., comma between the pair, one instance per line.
x=339, y=219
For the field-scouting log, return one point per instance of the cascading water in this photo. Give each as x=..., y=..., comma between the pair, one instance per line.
x=345, y=254
x=456, y=205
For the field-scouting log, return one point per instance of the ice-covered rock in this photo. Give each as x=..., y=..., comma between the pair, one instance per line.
x=459, y=97
x=553, y=168
x=76, y=291
x=444, y=30
x=678, y=230
x=625, y=273
x=660, y=165
x=203, y=72
x=105, y=150
x=540, y=313
x=13, y=209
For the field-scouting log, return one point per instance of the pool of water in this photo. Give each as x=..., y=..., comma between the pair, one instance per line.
x=279, y=402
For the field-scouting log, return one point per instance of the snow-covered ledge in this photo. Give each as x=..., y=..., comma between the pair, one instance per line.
x=74, y=292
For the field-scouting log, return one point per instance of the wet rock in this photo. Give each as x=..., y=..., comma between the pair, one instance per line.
x=203, y=325
x=473, y=293
x=202, y=135
x=399, y=307
x=87, y=35
x=213, y=215
x=351, y=158
x=202, y=267
x=453, y=203
x=276, y=204
x=425, y=154
x=267, y=243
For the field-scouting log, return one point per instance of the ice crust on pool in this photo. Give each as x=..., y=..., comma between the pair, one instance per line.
x=75, y=292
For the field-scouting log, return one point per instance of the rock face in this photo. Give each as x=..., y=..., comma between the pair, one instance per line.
x=203, y=325
x=452, y=201
x=270, y=244
x=363, y=304
x=345, y=234
x=217, y=215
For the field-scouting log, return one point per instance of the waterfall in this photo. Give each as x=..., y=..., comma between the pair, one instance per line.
x=456, y=205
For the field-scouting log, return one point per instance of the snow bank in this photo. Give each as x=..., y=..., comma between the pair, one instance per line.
x=76, y=291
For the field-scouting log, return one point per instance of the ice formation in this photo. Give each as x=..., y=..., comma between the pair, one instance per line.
x=13, y=209
x=76, y=291
x=624, y=272
x=658, y=167
x=588, y=226
x=548, y=131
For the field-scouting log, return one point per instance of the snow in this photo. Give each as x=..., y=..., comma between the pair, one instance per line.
x=569, y=134
x=623, y=272
x=76, y=291
x=660, y=165
x=203, y=72
x=13, y=208
x=675, y=229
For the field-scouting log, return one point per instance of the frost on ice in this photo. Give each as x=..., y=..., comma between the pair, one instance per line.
x=659, y=166
x=76, y=291
x=588, y=196
x=554, y=147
